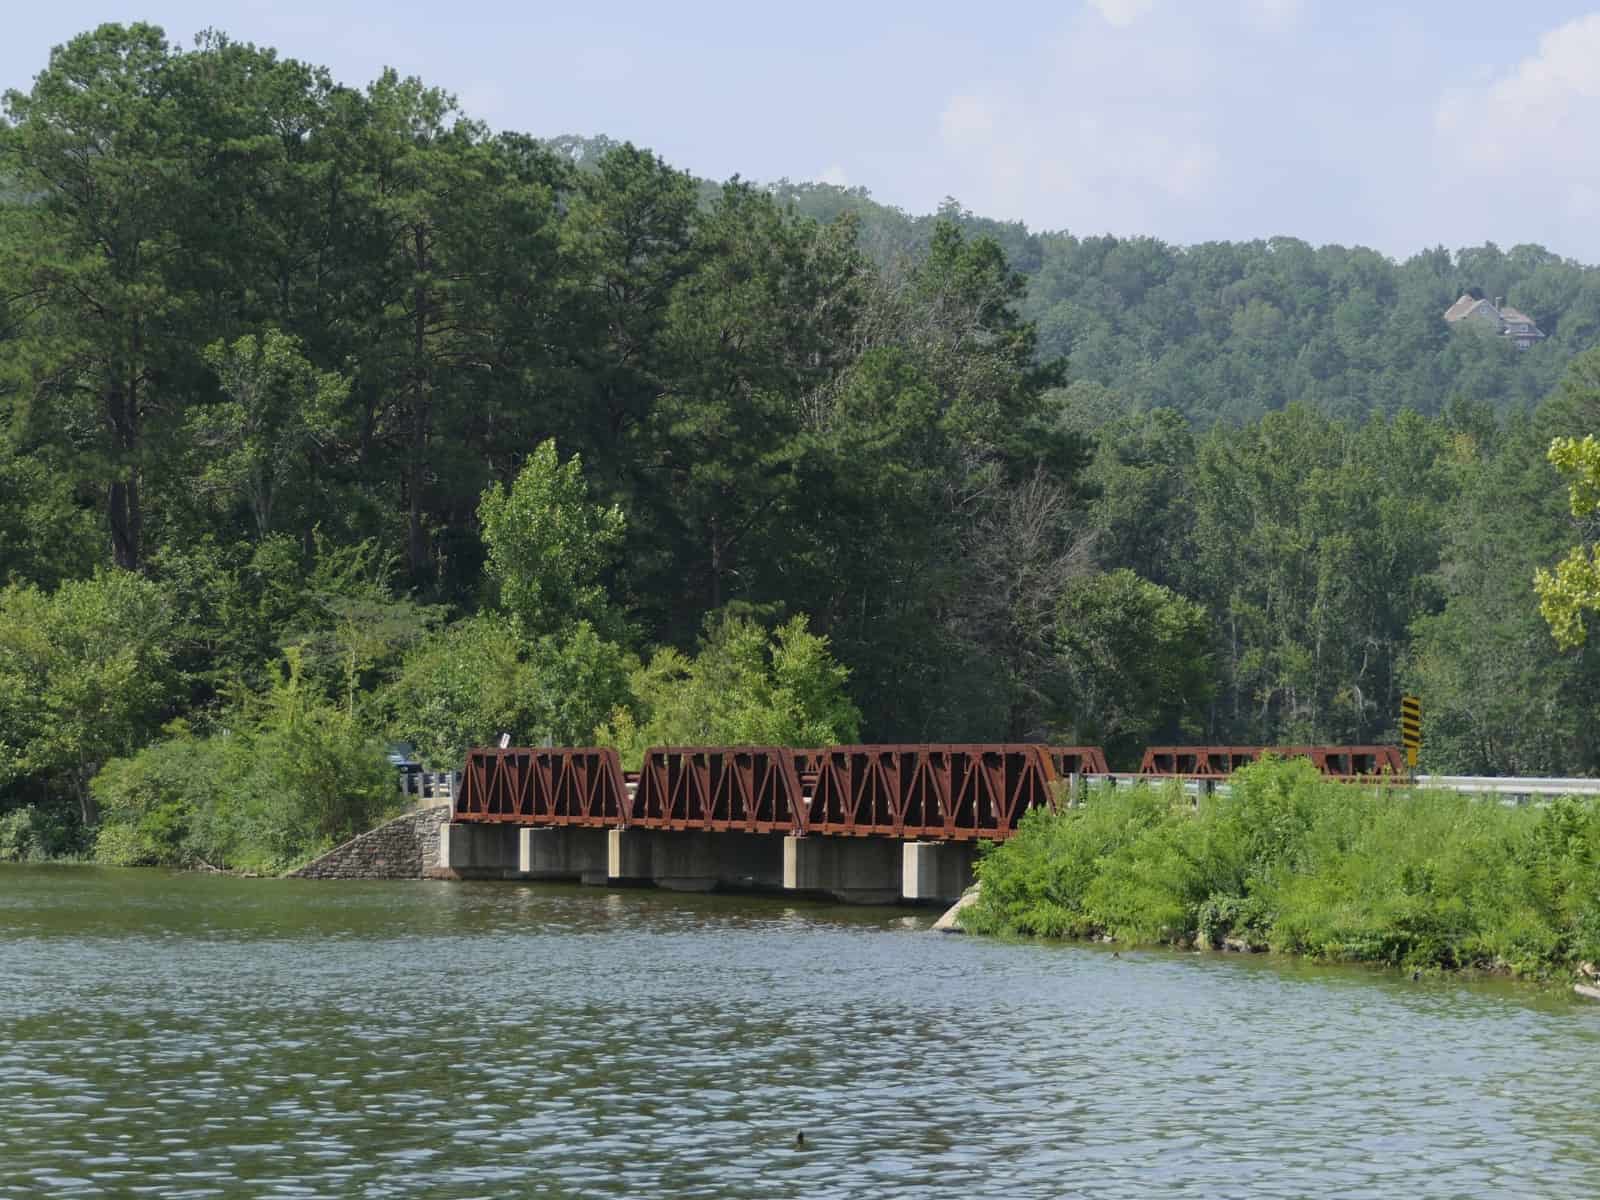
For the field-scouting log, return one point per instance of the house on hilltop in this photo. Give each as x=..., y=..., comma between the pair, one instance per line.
x=1497, y=317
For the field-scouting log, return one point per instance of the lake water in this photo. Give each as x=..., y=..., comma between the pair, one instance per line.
x=184, y=1035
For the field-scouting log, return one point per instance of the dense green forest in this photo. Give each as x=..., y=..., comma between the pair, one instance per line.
x=331, y=416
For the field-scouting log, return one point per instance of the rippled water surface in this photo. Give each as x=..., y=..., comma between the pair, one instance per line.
x=179, y=1035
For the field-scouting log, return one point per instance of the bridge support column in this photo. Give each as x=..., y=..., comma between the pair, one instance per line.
x=936, y=871
x=477, y=851
x=688, y=860
x=697, y=861
x=853, y=870
x=628, y=853
x=562, y=852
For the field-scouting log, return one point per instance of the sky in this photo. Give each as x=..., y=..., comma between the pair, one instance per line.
x=1395, y=126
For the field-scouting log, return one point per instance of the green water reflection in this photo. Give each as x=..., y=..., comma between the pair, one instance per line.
x=189, y=1035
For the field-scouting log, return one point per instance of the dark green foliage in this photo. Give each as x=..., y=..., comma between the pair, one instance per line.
x=1136, y=657
x=39, y=834
x=1309, y=867
x=1229, y=331
x=294, y=358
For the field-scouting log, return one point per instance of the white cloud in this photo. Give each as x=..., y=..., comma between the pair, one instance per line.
x=1526, y=138
x=834, y=174
x=1241, y=120
x=1121, y=13
x=1105, y=135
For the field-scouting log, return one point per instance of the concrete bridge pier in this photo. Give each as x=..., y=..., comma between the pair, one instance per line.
x=562, y=852
x=683, y=860
x=850, y=869
x=477, y=851
x=936, y=872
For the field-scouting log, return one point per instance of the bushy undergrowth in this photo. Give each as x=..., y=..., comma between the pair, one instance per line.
x=286, y=782
x=34, y=834
x=1309, y=867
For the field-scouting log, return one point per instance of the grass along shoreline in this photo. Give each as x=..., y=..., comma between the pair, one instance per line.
x=1295, y=863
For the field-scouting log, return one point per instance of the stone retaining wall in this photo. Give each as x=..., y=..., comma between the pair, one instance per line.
x=404, y=848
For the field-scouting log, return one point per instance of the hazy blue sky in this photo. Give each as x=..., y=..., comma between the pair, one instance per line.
x=1397, y=126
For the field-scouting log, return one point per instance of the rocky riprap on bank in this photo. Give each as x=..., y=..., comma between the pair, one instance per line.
x=404, y=848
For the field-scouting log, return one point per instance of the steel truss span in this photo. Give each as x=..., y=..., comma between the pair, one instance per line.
x=914, y=792
x=920, y=792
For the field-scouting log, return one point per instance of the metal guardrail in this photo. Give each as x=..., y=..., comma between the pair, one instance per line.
x=1507, y=785
x=1508, y=788
x=430, y=785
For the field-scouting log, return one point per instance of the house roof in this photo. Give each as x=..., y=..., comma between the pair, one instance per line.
x=1462, y=307
x=1504, y=315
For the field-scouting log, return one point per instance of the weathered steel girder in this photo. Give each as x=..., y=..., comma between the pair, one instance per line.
x=1347, y=762
x=1200, y=761
x=929, y=791
x=561, y=786
x=1077, y=760
x=1205, y=762
x=753, y=789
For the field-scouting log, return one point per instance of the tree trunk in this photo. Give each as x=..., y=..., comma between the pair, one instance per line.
x=123, y=512
x=88, y=810
x=716, y=567
x=415, y=467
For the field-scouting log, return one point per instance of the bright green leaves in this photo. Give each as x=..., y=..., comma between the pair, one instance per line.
x=1312, y=867
x=1579, y=459
x=478, y=678
x=84, y=674
x=744, y=687
x=291, y=775
x=1573, y=587
x=548, y=544
x=278, y=407
x=1567, y=592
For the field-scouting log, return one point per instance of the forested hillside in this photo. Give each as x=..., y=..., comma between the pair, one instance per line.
x=331, y=415
x=1228, y=331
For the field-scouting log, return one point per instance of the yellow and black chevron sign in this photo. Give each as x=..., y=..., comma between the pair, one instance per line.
x=1411, y=727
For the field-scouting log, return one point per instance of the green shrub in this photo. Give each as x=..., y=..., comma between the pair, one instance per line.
x=16, y=836
x=294, y=776
x=160, y=806
x=1419, y=879
x=33, y=834
x=1037, y=882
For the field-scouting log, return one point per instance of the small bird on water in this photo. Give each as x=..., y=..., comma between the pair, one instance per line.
x=800, y=1140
